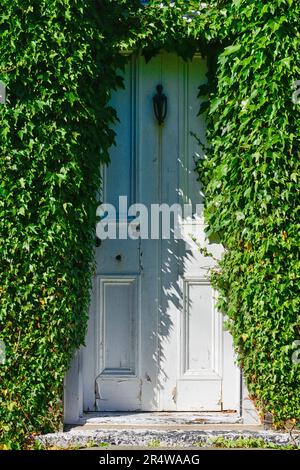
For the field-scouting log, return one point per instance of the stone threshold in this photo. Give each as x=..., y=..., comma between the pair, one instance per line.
x=158, y=419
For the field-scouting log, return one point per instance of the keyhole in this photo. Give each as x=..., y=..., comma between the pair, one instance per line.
x=119, y=257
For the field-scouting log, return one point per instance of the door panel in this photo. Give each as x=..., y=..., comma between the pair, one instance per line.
x=118, y=324
x=155, y=339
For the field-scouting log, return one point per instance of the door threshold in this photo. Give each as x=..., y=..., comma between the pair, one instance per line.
x=160, y=420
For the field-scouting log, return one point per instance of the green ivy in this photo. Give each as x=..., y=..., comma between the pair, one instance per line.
x=251, y=179
x=55, y=129
x=60, y=61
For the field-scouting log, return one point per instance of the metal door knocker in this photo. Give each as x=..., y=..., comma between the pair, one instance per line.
x=160, y=105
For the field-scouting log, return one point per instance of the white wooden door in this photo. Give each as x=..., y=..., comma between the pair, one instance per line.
x=155, y=340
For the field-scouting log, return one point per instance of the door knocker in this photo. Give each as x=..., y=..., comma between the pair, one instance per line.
x=160, y=105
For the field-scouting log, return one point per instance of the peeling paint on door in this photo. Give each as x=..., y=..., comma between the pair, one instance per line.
x=174, y=395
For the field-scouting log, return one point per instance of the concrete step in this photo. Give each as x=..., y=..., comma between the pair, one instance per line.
x=160, y=430
x=156, y=439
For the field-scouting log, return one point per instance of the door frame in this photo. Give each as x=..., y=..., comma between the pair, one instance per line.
x=73, y=397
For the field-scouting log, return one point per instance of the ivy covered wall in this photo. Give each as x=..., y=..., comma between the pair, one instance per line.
x=60, y=60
